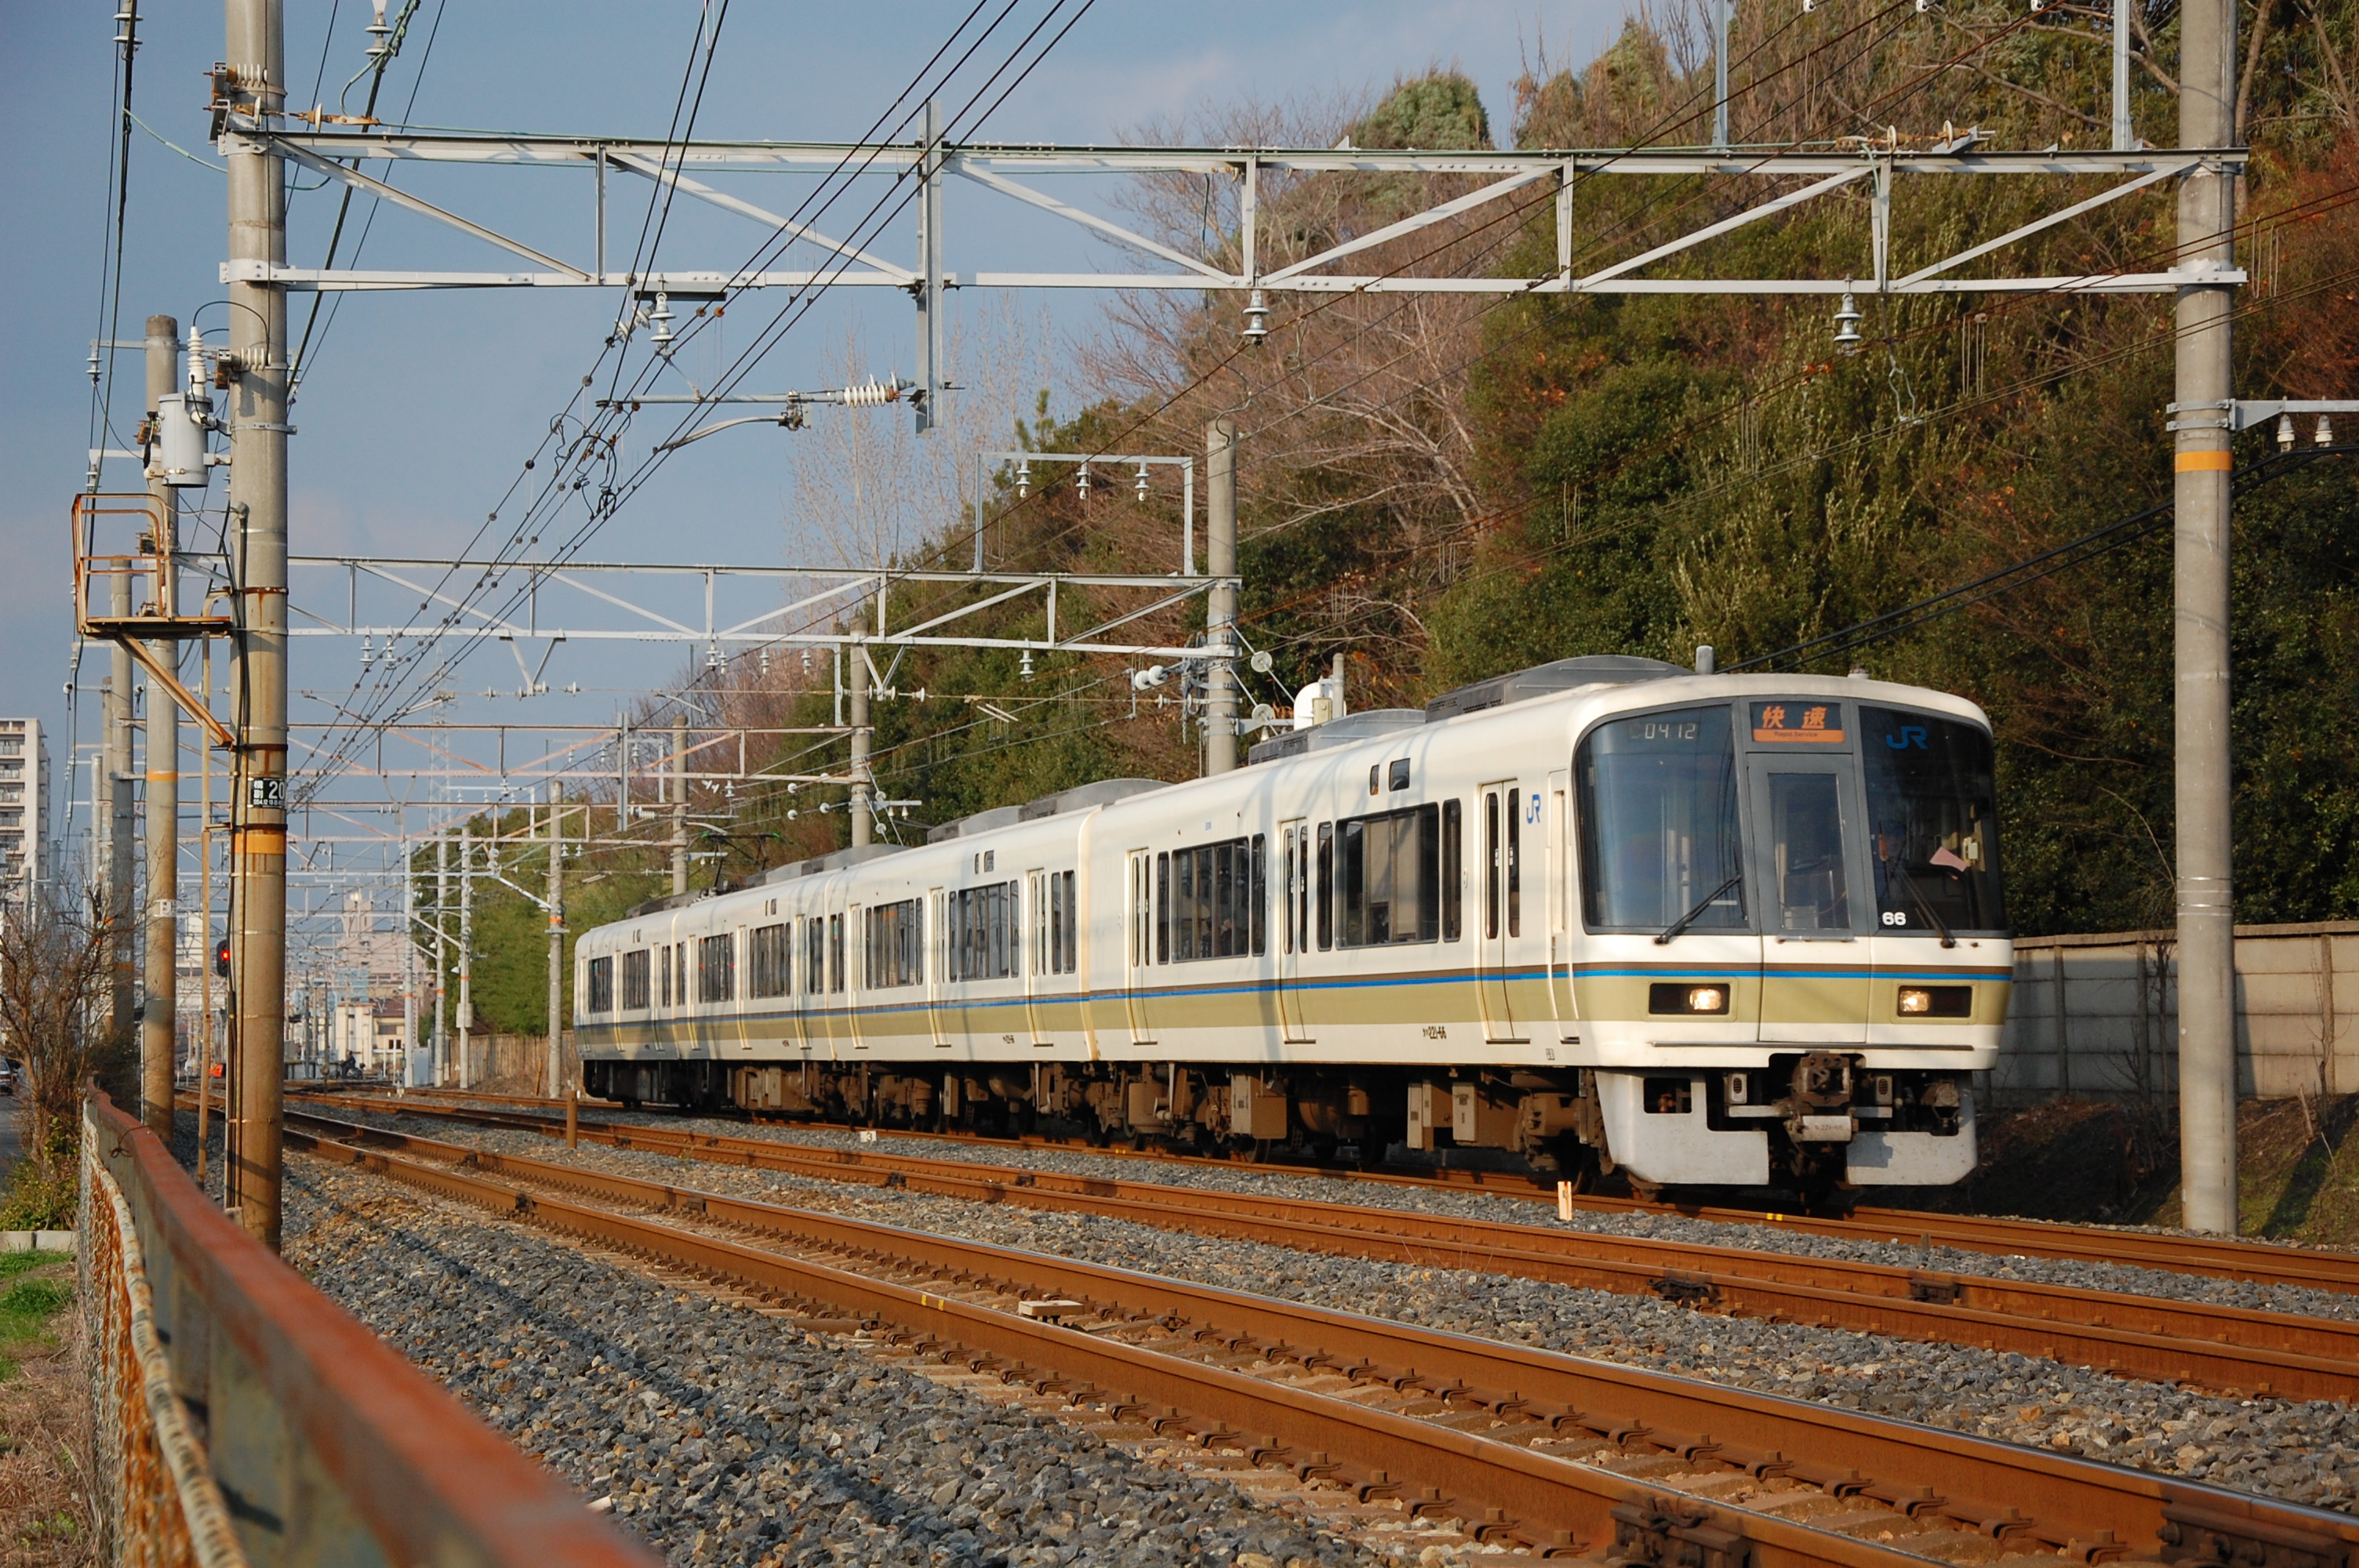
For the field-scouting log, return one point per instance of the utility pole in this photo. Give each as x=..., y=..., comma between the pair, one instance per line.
x=440, y=1065
x=2207, y=936
x=856, y=652
x=255, y=47
x=160, y=987
x=679, y=800
x=555, y=940
x=408, y=965
x=1719, y=9
x=929, y=275
x=1221, y=600
x=466, y=955
x=2125, y=136
x=121, y=920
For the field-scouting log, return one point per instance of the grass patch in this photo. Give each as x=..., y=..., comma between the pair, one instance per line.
x=32, y=1304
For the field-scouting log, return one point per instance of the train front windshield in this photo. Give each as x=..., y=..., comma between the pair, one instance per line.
x=1932, y=821
x=1658, y=817
x=1665, y=798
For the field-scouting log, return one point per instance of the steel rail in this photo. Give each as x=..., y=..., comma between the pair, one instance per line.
x=2215, y=1257
x=2154, y=1337
x=2023, y=1499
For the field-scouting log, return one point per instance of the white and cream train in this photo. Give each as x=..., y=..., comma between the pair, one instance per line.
x=1610, y=914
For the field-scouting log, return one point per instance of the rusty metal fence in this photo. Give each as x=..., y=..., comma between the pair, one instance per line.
x=242, y=1418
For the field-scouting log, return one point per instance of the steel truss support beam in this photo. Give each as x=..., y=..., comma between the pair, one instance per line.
x=642, y=624
x=998, y=168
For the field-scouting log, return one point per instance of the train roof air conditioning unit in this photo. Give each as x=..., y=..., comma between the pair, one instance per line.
x=1547, y=680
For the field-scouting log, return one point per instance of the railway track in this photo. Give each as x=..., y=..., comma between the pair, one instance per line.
x=1524, y=1448
x=2212, y=1257
x=2153, y=1337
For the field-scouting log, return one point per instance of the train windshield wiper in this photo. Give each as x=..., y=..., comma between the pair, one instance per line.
x=1692, y=916
x=1908, y=881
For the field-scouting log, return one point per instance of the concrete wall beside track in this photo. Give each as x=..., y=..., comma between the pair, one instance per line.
x=2098, y=1015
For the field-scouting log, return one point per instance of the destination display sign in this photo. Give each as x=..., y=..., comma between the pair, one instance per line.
x=1798, y=723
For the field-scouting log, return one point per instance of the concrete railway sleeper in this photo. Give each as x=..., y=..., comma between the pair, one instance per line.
x=2153, y=1337
x=2211, y=1256
x=1560, y=1455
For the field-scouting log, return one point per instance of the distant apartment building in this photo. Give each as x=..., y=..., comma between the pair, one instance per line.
x=23, y=809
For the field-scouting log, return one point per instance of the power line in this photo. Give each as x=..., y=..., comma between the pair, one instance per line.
x=2031, y=568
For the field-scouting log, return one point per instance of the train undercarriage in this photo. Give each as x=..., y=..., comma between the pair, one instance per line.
x=1811, y=1104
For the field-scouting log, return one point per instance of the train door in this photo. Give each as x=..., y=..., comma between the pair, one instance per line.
x=855, y=949
x=1139, y=949
x=1293, y=929
x=1557, y=873
x=1033, y=921
x=1806, y=836
x=937, y=967
x=1501, y=916
x=797, y=1027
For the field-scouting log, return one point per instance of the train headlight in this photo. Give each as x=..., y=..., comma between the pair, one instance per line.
x=1937, y=1001
x=1684, y=998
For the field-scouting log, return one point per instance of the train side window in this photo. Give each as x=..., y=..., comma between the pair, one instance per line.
x=1302, y=890
x=664, y=952
x=1514, y=866
x=716, y=968
x=769, y=962
x=1293, y=846
x=1490, y=864
x=1217, y=894
x=814, y=955
x=1451, y=871
x=637, y=981
x=1260, y=895
x=1163, y=909
x=1064, y=924
x=1142, y=911
x=895, y=939
x=835, y=952
x=1390, y=877
x=1326, y=886
x=600, y=972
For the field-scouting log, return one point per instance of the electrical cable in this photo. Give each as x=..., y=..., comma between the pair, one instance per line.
x=301, y=363
x=2056, y=558
x=789, y=314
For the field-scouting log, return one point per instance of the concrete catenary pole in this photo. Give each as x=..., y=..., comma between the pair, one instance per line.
x=122, y=834
x=407, y=1077
x=1720, y=17
x=679, y=802
x=556, y=941
x=1221, y=603
x=160, y=981
x=855, y=653
x=466, y=1020
x=255, y=48
x=441, y=1072
x=2207, y=980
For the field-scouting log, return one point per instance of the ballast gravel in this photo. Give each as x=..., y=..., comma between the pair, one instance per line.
x=725, y=1436
x=1294, y=1183
x=2304, y=1452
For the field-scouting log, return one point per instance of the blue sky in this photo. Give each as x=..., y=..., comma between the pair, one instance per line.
x=420, y=406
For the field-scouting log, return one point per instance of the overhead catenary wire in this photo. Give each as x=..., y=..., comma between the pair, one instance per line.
x=1670, y=119
x=2031, y=568
x=792, y=312
x=1880, y=15
x=523, y=564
